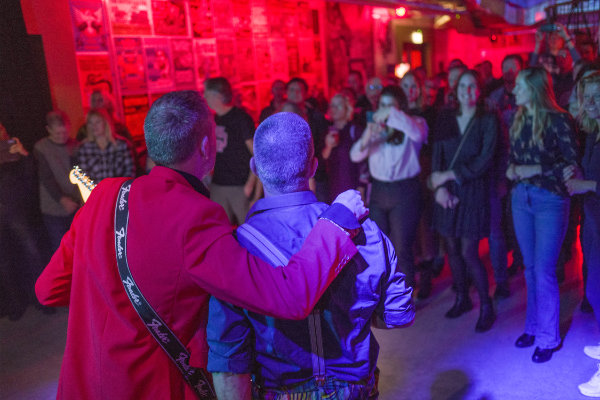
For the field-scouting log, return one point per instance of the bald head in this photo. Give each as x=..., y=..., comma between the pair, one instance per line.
x=283, y=153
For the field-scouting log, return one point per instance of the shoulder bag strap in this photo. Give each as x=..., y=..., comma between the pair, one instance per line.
x=176, y=351
x=462, y=142
x=273, y=255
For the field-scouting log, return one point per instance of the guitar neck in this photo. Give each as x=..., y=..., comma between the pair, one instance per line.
x=83, y=182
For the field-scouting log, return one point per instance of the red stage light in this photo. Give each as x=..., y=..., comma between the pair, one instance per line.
x=401, y=12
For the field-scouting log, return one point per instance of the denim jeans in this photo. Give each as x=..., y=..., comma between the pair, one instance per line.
x=396, y=209
x=590, y=241
x=497, y=241
x=540, y=219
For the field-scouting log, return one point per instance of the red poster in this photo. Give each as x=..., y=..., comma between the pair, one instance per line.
x=279, y=59
x=223, y=12
x=293, y=57
x=183, y=62
x=260, y=22
x=88, y=25
x=245, y=60
x=158, y=62
x=169, y=17
x=135, y=109
x=129, y=17
x=263, y=68
x=206, y=58
x=201, y=15
x=242, y=19
x=94, y=74
x=227, y=59
x=130, y=63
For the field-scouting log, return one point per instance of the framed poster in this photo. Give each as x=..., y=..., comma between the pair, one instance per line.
x=130, y=64
x=89, y=29
x=94, y=74
x=169, y=17
x=158, y=64
x=129, y=17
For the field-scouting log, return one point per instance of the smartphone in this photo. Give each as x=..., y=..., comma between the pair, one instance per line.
x=5, y=154
x=370, y=116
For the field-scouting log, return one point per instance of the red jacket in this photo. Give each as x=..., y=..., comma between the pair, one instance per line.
x=180, y=250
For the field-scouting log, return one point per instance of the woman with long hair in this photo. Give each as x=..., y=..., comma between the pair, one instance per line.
x=462, y=155
x=392, y=143
x=542, y=144
x=342, y=173
x=102, y=155
x=587, y=184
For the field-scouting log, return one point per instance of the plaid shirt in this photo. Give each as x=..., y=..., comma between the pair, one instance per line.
x=114, y=161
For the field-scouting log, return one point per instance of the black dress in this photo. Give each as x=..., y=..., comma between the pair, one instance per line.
x=471, y=217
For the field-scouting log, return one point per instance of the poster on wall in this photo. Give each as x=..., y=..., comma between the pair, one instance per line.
x=201, y=15
x=245, y=60
x=260, y=22
x=227, y=59
x=223, y=12
x=129, y=17
x=135, y=109
x=158, y=64
x=169, y=17
x=88, y=26
x=263, y=60
x=279, y=59
x=207, y=65
x=183, y=62
x=130, y=63
x=242, y=19
x=94, y=74
x=293, y=58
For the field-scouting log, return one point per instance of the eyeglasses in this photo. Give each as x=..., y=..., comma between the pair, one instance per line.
x=374, y=87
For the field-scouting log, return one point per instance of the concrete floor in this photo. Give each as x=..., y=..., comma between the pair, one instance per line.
x=436, y=358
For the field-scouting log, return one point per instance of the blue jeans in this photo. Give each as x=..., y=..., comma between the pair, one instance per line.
x=590, y=243
x=540, y=219
x=497, y=241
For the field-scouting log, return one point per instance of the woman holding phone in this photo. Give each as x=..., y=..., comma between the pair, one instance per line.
x=392, y=143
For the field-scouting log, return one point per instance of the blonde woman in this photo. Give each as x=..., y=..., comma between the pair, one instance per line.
x=342, y=173
x=542, y=144
x=587, y=184
x=102, y=155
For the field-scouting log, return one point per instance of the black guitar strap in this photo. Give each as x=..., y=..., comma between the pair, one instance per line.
x=159, y=330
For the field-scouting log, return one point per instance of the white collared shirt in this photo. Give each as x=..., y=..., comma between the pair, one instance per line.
x=390, y=162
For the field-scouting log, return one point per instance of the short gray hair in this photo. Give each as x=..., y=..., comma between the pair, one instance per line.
x=283, y=151
x=174, y=126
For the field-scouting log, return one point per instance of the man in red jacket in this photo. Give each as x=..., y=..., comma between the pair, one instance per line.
x=180, y=250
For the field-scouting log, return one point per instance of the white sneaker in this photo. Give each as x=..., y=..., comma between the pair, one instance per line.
x=592, y=387
x=592, y=351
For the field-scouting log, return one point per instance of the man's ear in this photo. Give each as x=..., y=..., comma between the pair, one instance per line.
x=204, y=147
x=313, y=167
x=253, y=166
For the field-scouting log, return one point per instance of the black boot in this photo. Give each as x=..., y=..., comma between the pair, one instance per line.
x=487, y=316
x=462, y=304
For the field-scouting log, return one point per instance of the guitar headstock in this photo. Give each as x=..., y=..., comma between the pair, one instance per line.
x=84, y=182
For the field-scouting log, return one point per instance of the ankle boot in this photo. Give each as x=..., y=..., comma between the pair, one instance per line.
x=462, y=304
x=487, y=316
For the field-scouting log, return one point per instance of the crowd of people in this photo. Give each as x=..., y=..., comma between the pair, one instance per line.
x=442, y=162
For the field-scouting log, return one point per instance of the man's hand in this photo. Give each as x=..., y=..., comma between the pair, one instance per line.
x=510, y=173
x=571, y=171
x=17, y=148
x=579, y=186
x=445, y=199
x=352, y=200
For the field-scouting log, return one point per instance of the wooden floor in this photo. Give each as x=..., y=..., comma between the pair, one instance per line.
x=436, y=358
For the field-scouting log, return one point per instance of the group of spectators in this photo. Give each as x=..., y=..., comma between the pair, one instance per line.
x=442, y=162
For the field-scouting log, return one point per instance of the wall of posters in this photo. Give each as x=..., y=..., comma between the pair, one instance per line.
x=137, y=50
x=89, y=29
